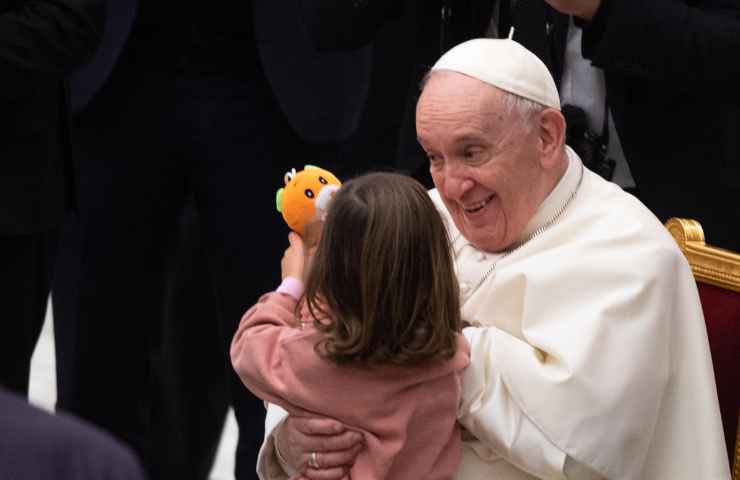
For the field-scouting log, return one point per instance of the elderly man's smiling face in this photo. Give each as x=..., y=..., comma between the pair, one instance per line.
x=484, y=160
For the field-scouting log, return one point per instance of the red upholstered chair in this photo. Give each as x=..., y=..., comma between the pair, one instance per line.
x=717, y=273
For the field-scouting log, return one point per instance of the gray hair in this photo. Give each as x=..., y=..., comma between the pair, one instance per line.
x=527, y=110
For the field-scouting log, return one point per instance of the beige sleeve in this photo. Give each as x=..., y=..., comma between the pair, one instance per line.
x=268, y=466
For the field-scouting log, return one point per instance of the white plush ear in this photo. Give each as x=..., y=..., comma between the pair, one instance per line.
x=289, y=175
x=323, y=199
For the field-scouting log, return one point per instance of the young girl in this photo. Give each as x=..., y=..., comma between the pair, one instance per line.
x=374, y=341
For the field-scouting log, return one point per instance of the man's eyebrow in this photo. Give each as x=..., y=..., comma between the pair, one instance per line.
x=470, y=138
x=465, y=138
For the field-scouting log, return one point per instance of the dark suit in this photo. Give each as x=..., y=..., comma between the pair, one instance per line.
x=35, y=445
x=212, y=105
x=672, y=75
x=407, y=37
x=40, y=43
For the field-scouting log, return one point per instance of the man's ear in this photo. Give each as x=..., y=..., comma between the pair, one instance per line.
x=552, y=136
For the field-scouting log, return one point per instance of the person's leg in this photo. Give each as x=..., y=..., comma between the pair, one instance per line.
x=65, y=300
x=24, y=288
x=131, y=190
x=193, y=395
x=247, y=146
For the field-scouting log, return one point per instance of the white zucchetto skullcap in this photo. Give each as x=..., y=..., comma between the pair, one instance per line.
x=506, y=65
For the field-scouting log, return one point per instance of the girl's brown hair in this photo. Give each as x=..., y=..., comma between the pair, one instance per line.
x=384, y=273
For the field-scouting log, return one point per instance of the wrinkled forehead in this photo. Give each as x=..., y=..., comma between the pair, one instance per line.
x=448, y=90
x=454, y=101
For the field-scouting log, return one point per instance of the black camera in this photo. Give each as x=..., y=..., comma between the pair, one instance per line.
x=587, y=144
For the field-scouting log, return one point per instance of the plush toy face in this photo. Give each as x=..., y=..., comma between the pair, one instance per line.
x=306, y=196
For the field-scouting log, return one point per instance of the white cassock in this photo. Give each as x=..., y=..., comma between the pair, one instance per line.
x=589, y=358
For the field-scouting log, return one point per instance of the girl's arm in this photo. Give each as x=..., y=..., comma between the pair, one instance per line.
x=256, y=352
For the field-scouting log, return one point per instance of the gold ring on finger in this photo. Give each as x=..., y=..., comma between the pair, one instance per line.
x=314, y=460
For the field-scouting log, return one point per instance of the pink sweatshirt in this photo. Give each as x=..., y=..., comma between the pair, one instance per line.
x=407, y=415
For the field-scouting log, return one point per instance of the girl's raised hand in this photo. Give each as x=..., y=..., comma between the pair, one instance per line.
x=294, y=258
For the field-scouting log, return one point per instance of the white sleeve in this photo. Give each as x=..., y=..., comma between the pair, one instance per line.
x=489, y=413
x=268, y=466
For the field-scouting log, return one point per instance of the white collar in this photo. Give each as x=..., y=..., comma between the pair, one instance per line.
x=553, y=204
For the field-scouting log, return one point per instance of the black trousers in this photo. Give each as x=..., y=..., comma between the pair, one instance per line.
x=145, y=146
x=189, y=394
x=188, y=362
x=26, y=265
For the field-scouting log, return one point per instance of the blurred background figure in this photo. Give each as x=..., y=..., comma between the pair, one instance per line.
x=41, y=42
x=672, y=93
x=35, y=444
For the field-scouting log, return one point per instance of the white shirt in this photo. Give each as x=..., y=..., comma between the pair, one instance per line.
x=584, y=86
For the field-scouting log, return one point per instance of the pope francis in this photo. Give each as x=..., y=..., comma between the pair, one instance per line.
x=589, y=354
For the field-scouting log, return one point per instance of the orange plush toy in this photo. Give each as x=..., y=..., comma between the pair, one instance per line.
x=305, y=197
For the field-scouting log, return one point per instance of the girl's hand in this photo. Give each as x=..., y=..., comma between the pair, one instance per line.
x=312, y=235
x=294, y=258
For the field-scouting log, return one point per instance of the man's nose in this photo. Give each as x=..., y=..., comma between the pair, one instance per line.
x=457, y=183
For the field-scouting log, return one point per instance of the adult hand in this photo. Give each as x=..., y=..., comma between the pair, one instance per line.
x=585, y=9
x=335, y=447
x=294, y=258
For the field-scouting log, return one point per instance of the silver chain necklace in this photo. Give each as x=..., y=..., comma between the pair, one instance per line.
x=531, y=236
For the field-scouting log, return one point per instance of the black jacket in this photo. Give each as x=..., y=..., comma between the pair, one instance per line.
x=672, y=74
x=41, y=41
